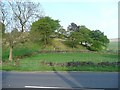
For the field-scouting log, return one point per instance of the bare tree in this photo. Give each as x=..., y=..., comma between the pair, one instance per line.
x=14, y=38
x=17, y=19
x=25, y=13
x=4, y=14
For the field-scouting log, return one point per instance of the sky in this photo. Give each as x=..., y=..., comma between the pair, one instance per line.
x=94, y=14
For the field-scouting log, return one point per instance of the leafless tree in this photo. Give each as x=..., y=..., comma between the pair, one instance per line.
x=17, y=18
x=25, y=13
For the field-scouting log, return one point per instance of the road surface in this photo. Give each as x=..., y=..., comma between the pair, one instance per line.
x=60, y=79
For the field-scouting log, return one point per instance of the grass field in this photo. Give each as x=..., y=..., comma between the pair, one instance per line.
x=66, y=57
x=34, y=63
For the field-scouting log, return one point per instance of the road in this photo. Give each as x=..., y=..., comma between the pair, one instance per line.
x=60, y=79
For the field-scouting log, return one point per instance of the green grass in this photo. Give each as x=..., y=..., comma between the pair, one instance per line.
x=34, y=63
x=113, y=46
x=36, y=66
x=20, y=50
x=0, y=67
x=66, y=57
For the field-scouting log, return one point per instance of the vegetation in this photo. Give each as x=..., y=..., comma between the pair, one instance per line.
x=21, y=15
x=32, y=38
x=94, y=40
x=42, y=29
x=113, y=47
x=76, y=56
x=37, y=62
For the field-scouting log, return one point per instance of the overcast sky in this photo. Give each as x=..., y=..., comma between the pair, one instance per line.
x=94, y=14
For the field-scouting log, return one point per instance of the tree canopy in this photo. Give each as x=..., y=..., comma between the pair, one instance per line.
x=92, y=39
x=100, y=40
x=42, y=29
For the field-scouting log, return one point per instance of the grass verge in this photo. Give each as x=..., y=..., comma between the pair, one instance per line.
x=58, y=68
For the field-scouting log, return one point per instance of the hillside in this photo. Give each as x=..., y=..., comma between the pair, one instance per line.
x=59, y=44
x=114, y=39
x=113, y=45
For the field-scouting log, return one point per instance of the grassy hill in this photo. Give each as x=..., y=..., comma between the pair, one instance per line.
x=59, y=44
x=114, y=45
x=29, y=48
x=37, y=61
x=56, y=44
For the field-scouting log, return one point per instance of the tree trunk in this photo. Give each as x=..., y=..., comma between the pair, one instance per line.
x=11, y=54
x=22, y=28
x=45, y=40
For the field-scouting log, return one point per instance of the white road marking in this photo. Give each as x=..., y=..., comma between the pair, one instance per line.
x=43, y=87
x=59, y=88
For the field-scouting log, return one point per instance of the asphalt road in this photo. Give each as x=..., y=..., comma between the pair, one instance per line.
x=60, y=79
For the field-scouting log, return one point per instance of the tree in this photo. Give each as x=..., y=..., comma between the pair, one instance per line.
x=42, y=29
x=53, y=23
x=13, y=38
x=5, y=18
x=16, y=19
x=25, y=13
x=61, y=32
x=2, y=28
x=73, y=27
x=100, y=40
x=81, y=34
x=73, y=39
x=85, y=33
x=13, y=35
x=93, y=40
x=41, y=33
x=4, y=13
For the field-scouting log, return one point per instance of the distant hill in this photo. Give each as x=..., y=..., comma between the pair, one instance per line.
x=114, y=39
x=114, y=44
